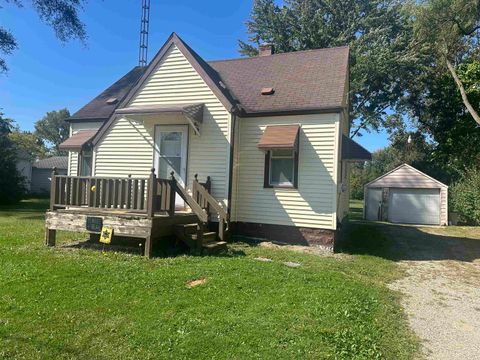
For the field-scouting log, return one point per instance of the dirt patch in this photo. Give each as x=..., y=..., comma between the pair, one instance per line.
x=197, y=282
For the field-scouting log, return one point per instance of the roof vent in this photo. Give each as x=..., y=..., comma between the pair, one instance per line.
x=268, y=91
x=112, y=101
x=266, y=49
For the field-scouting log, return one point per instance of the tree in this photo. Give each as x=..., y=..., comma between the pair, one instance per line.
x=12, y=185
x=449, y=29
x=52, y=129
x=61, y=15
x=379, y=33
x=28, y=143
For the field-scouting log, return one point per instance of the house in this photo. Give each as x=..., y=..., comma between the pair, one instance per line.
x=407, y=195
x=42, y=172
x=258, y=144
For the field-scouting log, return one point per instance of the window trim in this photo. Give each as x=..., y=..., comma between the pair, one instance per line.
x=267, y=165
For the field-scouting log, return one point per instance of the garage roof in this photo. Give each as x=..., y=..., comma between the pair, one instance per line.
x=406, y=176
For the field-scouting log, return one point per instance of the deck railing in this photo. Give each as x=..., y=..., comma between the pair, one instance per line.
x=145, y=195
x=141, y=195
x=99, y=192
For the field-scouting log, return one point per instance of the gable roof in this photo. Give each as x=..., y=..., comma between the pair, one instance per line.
x=99, y=108
x=303, y=82
x=59, y=162
x=413, y=173
x=206, y=72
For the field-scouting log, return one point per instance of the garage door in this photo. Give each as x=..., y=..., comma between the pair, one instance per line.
x=414, y=206
x=374, y=198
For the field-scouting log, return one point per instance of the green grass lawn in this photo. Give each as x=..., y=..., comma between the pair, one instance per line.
x=86, y=304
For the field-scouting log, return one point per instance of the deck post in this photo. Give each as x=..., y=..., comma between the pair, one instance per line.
x=50, y=236
x=151, y=192
x=53, y=188
x=173, y=192
x=148, y=247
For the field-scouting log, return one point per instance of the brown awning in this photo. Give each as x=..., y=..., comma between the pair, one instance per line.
x=279, y=137
x=352, y=151
x=77, y=141
x=193, y=112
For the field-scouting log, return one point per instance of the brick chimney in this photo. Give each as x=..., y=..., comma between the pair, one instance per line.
x=265, y=49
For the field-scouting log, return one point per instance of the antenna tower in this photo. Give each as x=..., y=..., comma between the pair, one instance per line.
x=143, y=49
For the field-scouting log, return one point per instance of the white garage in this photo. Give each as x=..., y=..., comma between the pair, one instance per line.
x=407, y=195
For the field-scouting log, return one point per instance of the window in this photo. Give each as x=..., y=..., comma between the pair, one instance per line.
x=86, y=157
x=281, y=168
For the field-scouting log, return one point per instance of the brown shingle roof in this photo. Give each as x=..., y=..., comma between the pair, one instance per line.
x=312, y=80
x=353, y=151
x=303, y=80
x=99, y=108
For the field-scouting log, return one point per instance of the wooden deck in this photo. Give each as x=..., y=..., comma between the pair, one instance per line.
x=133, y=208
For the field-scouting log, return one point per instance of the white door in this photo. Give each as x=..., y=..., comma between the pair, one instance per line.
x=414, y=206
x=373, y=200
x=171, y=154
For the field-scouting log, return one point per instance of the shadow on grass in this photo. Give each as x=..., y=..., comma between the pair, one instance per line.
x=27, y=205
x=403, y=242
x=137, y=246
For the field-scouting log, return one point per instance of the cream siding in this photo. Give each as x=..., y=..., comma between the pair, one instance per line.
x=314, y=203
x=73, y=156
x=408, y=177
x=128, y=147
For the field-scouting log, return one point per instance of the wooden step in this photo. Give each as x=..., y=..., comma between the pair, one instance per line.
x=208, y=237
x=214, y=247
x=187, y=229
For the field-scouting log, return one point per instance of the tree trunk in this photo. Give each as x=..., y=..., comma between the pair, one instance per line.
x=469, y=106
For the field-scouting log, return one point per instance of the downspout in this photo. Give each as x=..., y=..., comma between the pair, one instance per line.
x=230, y=171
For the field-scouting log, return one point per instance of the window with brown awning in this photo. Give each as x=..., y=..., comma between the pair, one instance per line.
x=279, y=137
x=280, y=143
x=77, y=141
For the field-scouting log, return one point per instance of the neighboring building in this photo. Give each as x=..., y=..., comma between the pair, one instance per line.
x=41, y=173
x=271, y=132
x=24, y=167
x=407, y=195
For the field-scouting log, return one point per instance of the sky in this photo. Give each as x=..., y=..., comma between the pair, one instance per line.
x=46, y=75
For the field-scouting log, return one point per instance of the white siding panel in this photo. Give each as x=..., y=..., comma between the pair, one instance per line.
x=128, y=148
x=313, y=204
x=72, y=163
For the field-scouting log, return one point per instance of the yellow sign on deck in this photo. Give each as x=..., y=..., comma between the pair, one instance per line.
x=106, y=235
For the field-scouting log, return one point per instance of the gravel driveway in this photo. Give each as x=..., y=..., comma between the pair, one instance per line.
x=442, y=287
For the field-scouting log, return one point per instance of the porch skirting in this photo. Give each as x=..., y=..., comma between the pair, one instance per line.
x=286, y=234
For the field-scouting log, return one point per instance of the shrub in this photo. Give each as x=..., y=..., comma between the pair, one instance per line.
x=465, y=196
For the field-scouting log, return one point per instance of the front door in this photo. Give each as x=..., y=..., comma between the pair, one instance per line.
x=171, y=154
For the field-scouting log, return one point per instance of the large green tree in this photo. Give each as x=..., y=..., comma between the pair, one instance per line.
x=28, y=143
x=61, y=15
x=52, y=129
x=11, y=182
x=449, y=30
x=379, y=33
